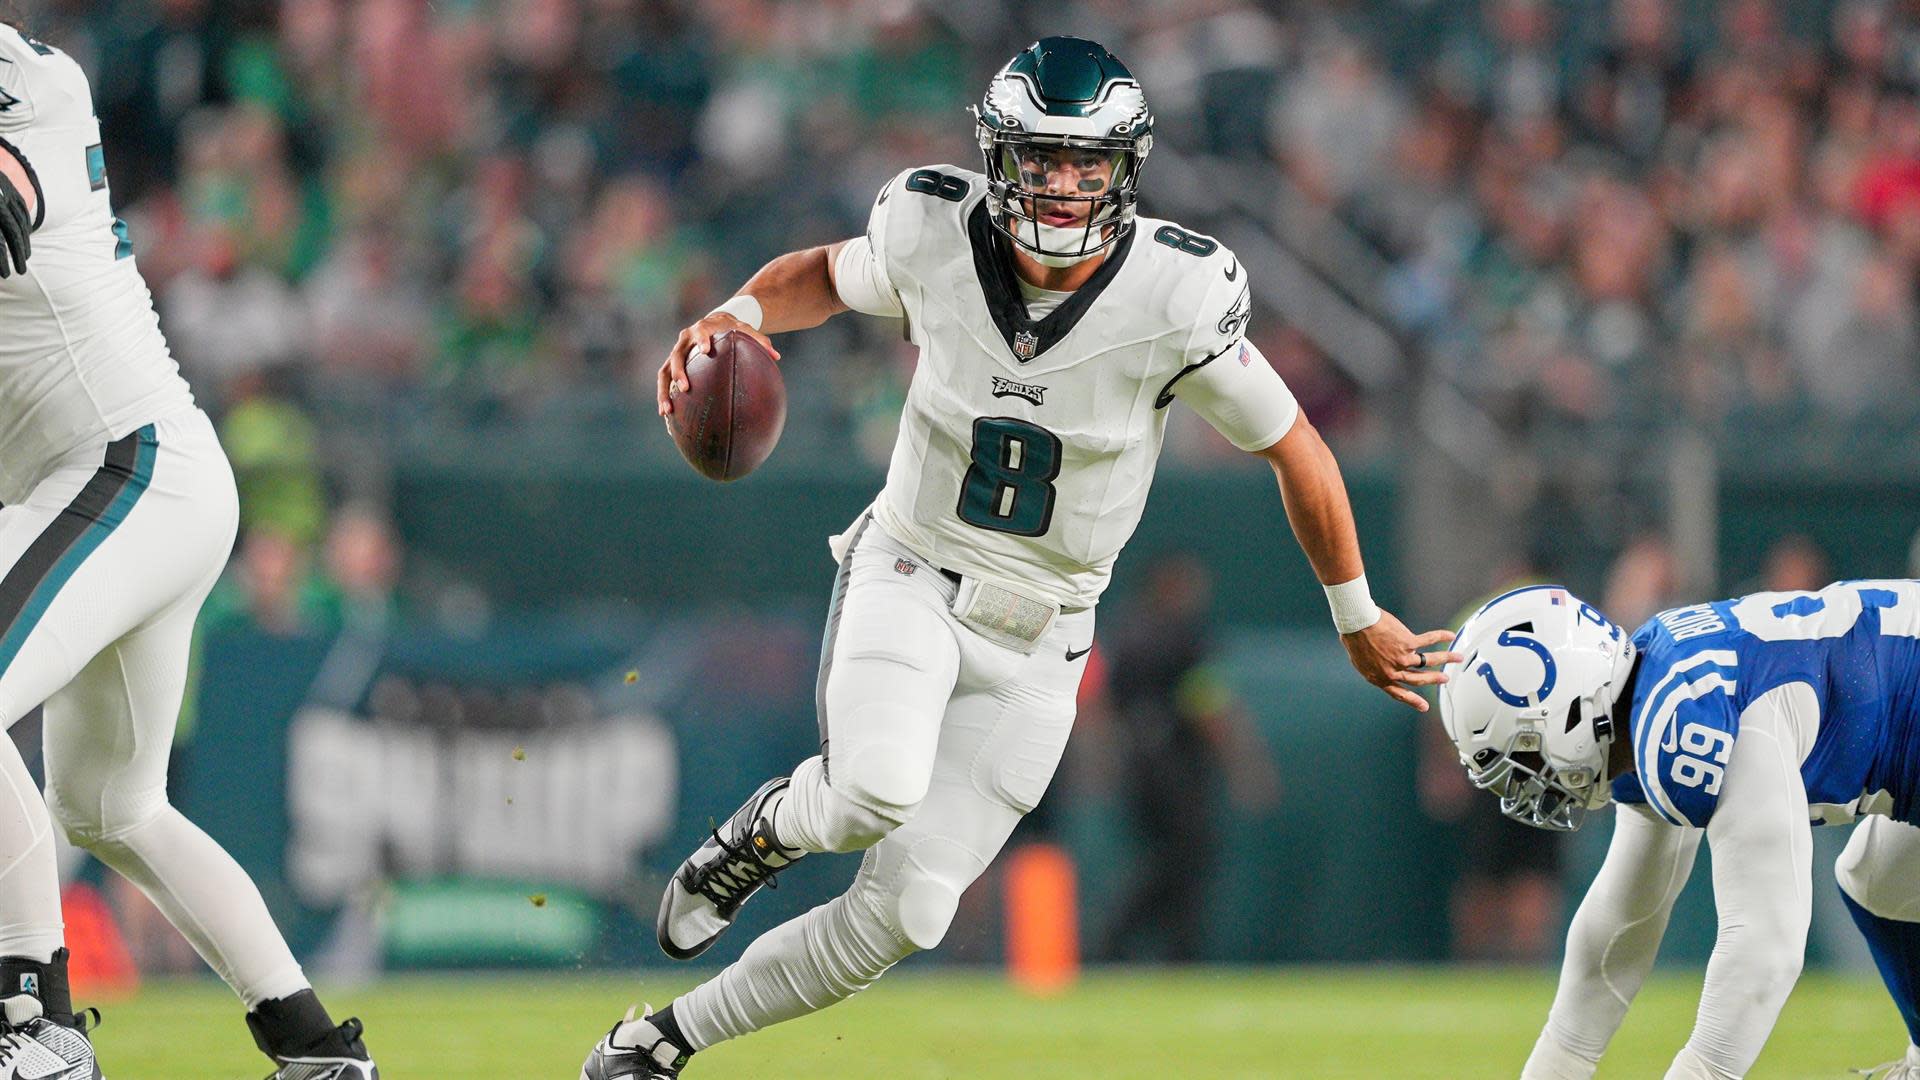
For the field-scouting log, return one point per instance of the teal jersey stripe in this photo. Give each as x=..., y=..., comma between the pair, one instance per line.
x=145, y=450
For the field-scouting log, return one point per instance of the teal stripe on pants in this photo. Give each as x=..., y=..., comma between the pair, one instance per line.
x=121, y=484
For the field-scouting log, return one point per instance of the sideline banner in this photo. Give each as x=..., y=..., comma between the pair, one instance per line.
x=408, y=796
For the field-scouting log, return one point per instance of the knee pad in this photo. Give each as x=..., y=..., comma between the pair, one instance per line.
x=849, y=826
x=1850, y=873
x=881, y=785
x=926, y=908
x=92, y=818
x=1880, y=869
x=917, y=899
x=894, y=927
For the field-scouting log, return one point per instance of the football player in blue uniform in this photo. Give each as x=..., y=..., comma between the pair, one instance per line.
x=1746, y=722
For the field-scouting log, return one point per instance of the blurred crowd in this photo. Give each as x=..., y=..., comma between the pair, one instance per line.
x=363, y=218
x=1609, y=211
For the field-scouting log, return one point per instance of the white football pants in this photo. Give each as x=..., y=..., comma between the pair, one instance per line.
x=1880, y=868
x=935, y=742
x=106, y=564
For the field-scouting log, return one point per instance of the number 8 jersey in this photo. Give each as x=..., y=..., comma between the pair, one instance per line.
x=81, y=355
x=1034, y=421
x=1856, y=644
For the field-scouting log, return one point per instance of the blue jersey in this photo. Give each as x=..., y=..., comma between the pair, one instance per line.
x=1855, y=643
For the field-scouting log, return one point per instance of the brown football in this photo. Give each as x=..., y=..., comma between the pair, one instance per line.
x=733, y=410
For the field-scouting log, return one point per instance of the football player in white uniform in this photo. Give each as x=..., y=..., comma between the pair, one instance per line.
x=119, y=514
x=1055, y=328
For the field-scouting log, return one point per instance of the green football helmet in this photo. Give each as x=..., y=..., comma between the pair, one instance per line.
x=1065, y=110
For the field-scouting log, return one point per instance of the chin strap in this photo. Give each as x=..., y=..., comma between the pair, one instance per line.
x=1603, y=727
x=1616, y=681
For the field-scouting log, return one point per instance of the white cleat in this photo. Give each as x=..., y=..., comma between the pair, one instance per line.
x=706, y=892
x=648, y=1056
x=1907, y=1068
x=35, y=1048
x=1903, y=1069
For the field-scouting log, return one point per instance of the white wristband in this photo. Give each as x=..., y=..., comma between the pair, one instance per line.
x=1353, y=606
x=742, y=307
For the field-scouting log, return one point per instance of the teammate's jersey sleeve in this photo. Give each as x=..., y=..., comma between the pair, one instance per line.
x=46, y=118
x=1683, y=733
x=82, y=359
x=16, y=95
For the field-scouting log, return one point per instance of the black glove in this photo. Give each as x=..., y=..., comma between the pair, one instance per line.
x=16, y=229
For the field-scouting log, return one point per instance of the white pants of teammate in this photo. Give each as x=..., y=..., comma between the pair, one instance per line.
x=935, y=743
x=107, y=562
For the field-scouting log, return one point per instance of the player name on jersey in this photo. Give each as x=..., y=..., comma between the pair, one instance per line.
x=1692, y=622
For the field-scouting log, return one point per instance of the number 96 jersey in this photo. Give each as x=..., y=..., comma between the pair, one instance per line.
x=1856, y=644
x=1027, y=445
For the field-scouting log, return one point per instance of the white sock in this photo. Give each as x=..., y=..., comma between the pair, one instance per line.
x=787, y=828
x=799, y=967
x=205, y=894
x=30, y=922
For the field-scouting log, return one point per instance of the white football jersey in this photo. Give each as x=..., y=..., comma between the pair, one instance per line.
x=81, y=354
x=1027, y=446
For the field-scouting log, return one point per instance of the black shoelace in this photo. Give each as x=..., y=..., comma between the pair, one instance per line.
x=726, y=880
x=11, y=1041
x=14, y=1036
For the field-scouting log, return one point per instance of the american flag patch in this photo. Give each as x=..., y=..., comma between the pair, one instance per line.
x=1246, y=355
x=1556, y=598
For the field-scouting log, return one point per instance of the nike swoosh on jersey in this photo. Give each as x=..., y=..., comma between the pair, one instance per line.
x=1234, y=270
x=1072, y=656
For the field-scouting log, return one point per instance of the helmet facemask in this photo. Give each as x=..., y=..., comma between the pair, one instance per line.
x=1533, y=790
x=1088, y=186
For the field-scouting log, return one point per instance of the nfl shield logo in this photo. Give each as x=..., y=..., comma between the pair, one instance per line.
x=904, y=568
x=1025, y=343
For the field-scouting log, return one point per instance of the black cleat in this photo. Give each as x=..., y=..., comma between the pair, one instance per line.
x=706, y=892
x=339, y=1056
x=656, y=1058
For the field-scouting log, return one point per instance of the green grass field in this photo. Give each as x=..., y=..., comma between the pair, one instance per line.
x=1202, y=1024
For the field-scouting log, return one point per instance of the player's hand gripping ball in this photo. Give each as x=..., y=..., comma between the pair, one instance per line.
x=733, y=410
